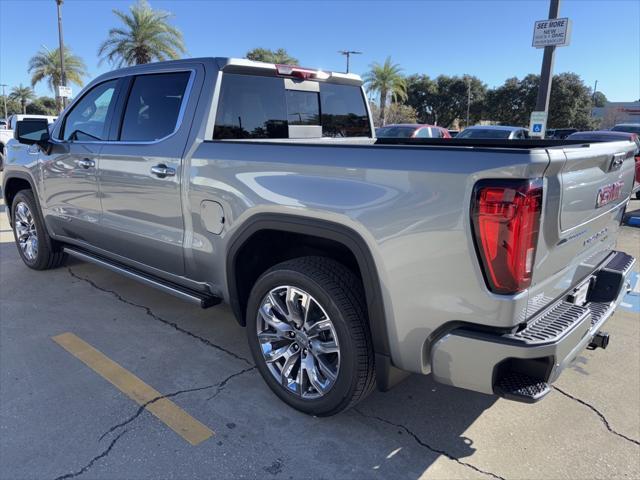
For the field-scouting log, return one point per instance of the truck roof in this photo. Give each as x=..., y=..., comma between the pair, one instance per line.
x=241, y=65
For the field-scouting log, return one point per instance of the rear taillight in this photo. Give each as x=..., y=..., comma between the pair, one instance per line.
x=506, y=219
x=637, y=168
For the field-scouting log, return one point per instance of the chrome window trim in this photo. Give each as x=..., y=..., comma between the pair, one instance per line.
x=181, y=112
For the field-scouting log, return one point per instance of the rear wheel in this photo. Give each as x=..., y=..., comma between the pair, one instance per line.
x=308, y=335
x=36, y=248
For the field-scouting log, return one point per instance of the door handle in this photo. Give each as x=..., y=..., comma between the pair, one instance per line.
x=86, y=163
x=162, y=171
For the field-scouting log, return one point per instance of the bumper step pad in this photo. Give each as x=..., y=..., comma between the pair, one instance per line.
x=521, y=388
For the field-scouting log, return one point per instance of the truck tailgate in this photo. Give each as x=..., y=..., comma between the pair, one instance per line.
x=587, y=189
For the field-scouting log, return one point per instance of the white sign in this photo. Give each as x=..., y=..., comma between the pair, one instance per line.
x=64, y=91
x=553, y=32
x=537, y=124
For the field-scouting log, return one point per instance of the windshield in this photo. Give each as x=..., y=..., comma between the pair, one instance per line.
x=484, y=133
x=627, y=128
x=395, y=132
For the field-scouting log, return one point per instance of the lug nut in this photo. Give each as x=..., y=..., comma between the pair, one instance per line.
x=295, y=346
x=304, y=351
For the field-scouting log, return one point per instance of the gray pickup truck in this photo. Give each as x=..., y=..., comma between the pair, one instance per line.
x=350, y=260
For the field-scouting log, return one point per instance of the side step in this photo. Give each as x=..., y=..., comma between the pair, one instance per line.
x=201, y=299
x=521, y=388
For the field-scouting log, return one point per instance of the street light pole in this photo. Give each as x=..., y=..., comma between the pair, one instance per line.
x=4, y=97
x=546, y=73
x=468, y=99
x=63, y=79
x=348, y=53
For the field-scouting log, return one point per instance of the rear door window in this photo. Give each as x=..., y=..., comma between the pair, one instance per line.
x=153, y=106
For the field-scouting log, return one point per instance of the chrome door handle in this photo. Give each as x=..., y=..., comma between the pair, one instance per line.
x=162, y=171
x=86, y=163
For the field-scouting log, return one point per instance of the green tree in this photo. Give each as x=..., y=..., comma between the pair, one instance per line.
x=280, y=56
x=45, y=66
x=599, y=99
x=421, y=96
x=396, y=113
x=388, y=82
x=43, y=106
x=146, y=36
x=13, y=106
x=23, y=95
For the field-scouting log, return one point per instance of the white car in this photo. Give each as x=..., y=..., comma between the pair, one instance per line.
x=6, y=131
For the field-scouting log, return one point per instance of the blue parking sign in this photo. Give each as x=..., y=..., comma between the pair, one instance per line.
x=537, y=127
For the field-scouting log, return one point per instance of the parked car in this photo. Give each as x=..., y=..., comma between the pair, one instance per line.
x=411, y=130
x=494, y=132
x=559, y=133
x=453, y=133
x=6, y=132
x=349, y=260
x=614, y=136
x=627, y=127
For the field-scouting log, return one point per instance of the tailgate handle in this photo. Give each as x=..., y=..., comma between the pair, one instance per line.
x=616, y=162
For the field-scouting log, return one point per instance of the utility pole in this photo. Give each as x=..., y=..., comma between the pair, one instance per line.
x=468, y=99
x=63, y=77
x=546, y=74
x=4, y=97
x=348, y=53
x=593, y=97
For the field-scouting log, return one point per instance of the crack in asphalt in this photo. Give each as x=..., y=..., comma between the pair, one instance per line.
x=93, y=460
x=422, y=443
x=150, y=313
x=220, y=385
x=599, y=414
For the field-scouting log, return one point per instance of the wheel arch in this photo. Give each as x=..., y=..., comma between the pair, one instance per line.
x=324, y=230
x=12, y=183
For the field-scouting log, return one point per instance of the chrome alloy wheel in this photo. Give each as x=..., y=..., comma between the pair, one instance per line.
x=298, y=342
x=25, y=228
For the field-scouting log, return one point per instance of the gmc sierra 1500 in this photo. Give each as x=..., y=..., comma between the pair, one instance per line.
x=350, y=260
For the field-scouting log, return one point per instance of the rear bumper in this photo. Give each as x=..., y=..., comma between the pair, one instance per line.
x=544, y=347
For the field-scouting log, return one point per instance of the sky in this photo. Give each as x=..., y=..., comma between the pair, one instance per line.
x=488, y=39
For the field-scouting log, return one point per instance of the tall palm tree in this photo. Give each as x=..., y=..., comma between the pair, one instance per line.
x=145, y=36
x=45, y=66
x=23, y=95
x=388, y=81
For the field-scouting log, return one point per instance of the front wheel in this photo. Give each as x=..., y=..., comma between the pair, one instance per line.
x=36, y=248
x=308, y=335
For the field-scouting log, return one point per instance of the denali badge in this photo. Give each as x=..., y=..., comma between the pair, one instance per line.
x=609, y=193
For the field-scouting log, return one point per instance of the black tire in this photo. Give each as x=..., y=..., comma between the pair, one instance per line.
x=340, y=294
x=49, y=253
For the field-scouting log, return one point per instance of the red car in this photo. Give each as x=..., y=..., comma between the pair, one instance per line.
x=411, y=130
x=612, y=136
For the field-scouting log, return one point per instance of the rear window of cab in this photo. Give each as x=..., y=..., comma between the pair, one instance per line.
x=252, y=106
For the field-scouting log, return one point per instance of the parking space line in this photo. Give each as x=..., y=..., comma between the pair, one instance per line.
x=165, y=410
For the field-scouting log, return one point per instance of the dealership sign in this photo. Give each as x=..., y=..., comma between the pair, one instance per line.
x=64, y=91
x=553, y=32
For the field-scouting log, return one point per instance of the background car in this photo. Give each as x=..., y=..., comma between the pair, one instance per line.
x=453, y=133
x=612, y=136
x=494, y=132
x=560, y=133
x=411, y=130
x=627, y=127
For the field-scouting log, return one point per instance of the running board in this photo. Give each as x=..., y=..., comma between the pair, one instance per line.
x=203, y=300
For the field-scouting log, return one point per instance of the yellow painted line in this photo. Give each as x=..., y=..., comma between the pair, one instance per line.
x=164, y=409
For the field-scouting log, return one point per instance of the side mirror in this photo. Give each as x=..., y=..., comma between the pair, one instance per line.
x=32, y=131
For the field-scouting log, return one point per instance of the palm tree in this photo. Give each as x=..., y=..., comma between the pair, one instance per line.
x=387, y=80
x=45, y=65
x=280, y=56
x=146, y=36
x=23, y=95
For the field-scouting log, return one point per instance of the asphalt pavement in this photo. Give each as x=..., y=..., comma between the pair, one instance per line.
x=104, y=378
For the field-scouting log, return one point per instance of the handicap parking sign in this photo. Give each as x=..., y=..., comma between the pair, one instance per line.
x=537, y=127
x=537, y=124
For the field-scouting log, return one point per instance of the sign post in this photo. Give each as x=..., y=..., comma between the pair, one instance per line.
x=549, y=34
x=63, y=91
x=538, y=124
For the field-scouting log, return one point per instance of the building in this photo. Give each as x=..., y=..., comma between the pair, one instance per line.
x=617, y=112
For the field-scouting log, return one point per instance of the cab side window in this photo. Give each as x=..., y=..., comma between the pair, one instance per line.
x=87, y=121
x=153, y=106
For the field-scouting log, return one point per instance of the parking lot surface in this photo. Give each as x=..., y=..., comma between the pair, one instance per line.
x=104, y=378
